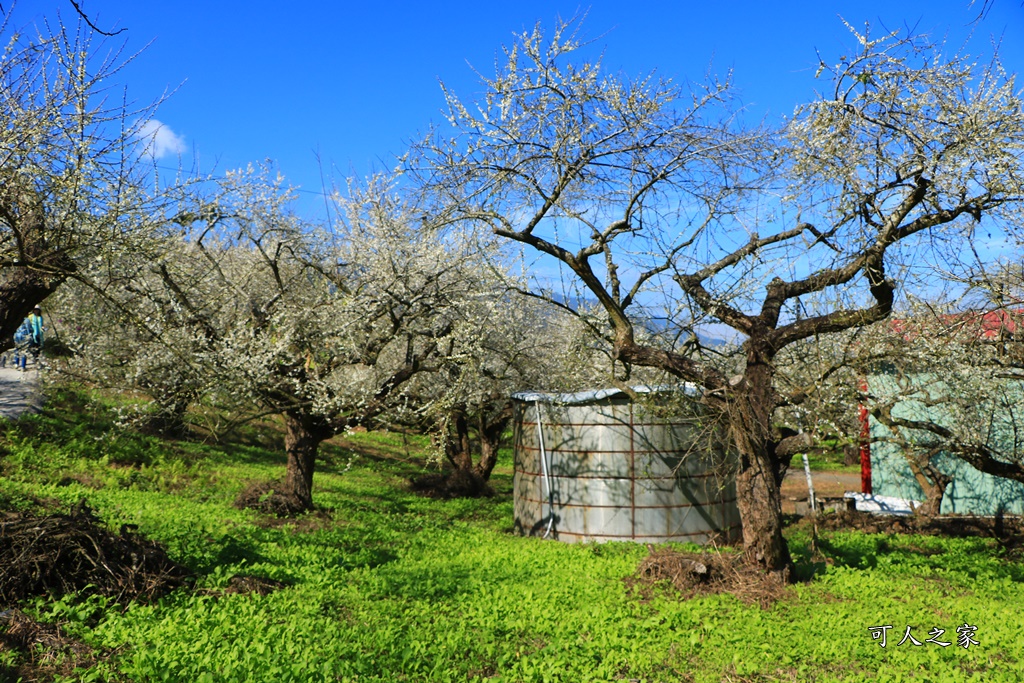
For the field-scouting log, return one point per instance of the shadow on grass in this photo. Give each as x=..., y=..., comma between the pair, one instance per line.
x=87, y=426
x=805, y=569
x=234, y=551
x=971, y=557
x=430, y=583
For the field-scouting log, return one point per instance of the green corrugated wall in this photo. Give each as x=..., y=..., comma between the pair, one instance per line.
x=971, y=491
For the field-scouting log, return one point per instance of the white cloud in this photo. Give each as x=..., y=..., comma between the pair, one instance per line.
x=160, y=140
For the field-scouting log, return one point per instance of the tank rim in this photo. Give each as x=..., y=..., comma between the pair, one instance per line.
x=580, y=398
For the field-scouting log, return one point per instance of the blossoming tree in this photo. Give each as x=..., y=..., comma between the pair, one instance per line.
x=649, y=195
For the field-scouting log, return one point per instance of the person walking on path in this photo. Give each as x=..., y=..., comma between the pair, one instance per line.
x=19, y=391
x=35, y=322
x=28, y=339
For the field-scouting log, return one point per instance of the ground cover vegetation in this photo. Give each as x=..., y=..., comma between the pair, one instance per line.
x=382, y=584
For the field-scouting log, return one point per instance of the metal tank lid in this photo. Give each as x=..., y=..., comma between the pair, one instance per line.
x=595, y=395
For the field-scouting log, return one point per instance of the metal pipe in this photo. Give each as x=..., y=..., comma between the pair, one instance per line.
x=544, y=471
x=810, y=483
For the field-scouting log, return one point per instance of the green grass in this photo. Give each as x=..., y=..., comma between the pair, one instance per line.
x=827, y=457
x=395, y=587
x=819, y=464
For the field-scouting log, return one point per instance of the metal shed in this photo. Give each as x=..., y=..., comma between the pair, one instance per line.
x=597, y=466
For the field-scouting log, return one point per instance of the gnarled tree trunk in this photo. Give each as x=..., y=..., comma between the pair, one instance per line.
x=301, y=443
x=490, y=439
x=931, y=480
x=457, y=446
x=459, y=442
x=758, y=493
x=33, y=269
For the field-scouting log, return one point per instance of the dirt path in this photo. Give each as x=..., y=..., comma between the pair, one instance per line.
x=826, y=485
x=19, y=393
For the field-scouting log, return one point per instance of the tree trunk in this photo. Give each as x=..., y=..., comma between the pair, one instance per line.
x=760, y=503
x=458, y=447
x=758, y=493
x=490, y=439
x=172, y=403
x=168, y=420
x=931, y=480
x=301, y=442
x=24, y=286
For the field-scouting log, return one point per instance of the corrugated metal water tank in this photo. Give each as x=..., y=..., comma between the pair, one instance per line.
x=596, y=466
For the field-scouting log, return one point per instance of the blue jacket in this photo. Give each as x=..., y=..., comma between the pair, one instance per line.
x=36, y=324
x=31, y=330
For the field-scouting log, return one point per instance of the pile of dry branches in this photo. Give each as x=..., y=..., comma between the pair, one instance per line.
x=55, y=554
x=46, y=652
x=706, y=573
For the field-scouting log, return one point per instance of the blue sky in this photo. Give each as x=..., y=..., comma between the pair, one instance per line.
x=353, y=82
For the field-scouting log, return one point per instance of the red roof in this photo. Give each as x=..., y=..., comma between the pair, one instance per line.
x=983, y=324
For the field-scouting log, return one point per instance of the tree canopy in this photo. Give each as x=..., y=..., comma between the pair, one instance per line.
x=75, y=185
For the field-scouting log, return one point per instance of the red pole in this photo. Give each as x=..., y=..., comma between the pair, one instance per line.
x=865, y=442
